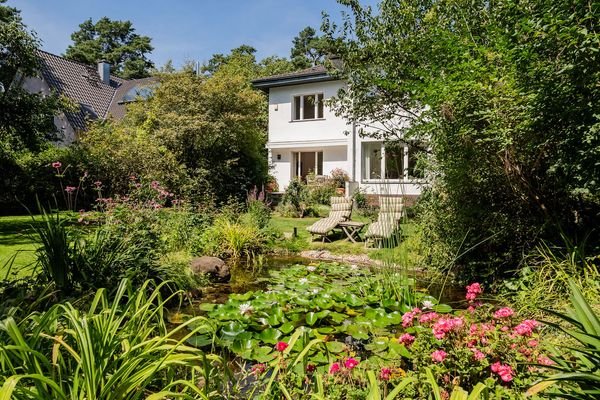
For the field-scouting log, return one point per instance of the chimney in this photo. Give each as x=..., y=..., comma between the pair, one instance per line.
x=104, y=71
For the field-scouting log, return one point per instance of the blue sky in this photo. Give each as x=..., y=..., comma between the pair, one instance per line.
x=184, y=30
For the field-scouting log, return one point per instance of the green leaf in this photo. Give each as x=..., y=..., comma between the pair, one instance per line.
x=335, y=347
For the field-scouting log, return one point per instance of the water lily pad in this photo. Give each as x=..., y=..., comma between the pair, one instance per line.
x=263, y=354
x=378, y=344
x=231, y=329
x=442, y=308
x=358, y=332
x=287, y=327
x=207, y=306
x=399, y=349
x=270, y=335
x=337, y=317
x=241, y=296
x=311, y=318
x=335, y=347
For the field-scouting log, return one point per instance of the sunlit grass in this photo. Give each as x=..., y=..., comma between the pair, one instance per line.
x=17, y=245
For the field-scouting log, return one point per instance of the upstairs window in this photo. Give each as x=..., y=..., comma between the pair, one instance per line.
x=307, y=106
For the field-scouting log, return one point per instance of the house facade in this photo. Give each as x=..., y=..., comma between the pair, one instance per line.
x=306, y=137
x=94, y=91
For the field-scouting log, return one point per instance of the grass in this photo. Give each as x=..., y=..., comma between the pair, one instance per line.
x=16, y=240
x=339, y=245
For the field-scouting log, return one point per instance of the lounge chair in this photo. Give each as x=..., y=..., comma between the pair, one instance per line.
x=391, y=211
x=341, y=210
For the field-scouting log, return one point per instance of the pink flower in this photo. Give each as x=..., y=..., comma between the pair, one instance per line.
x=258, y=369
x=526, y=327
x=385, y=374
x=428, y=317
x=155, y=185
x=98, y=184
x=475, y=288
x=407, y=319
x=56, y=164
x=438, y=355
x=545, y=360
x=350, y=363
x=533, y=343
x=478, y=355
x=281, y=346
x=70, y=189
x=335, y=367
x=406, y=339
x=505, y=312
x=446, y=325
x=504, y=371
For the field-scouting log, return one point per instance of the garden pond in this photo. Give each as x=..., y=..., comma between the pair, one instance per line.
x=350, y=310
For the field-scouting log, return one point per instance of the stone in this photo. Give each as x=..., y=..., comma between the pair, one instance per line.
x=214, y=267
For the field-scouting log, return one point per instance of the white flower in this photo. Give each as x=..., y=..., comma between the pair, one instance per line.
x=311, y=268
x=428, y=304
x=315, y=291
x=246, y=308
x=354, y=267
x=302, y=281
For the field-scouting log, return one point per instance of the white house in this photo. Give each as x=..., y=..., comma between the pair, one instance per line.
x=305, y=136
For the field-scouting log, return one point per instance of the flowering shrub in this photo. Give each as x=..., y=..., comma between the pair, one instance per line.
x=475, y=345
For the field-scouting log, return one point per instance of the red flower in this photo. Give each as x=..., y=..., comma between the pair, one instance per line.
x=385, y=374
x=335, y=367
x=310, y=368
x=351, y=363
x=281, y=346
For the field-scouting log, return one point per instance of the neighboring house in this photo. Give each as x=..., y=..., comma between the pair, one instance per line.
x=305, y=137
x=95, y=92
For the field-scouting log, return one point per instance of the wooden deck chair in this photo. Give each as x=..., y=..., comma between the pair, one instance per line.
x=391, y=211
x=341, y=210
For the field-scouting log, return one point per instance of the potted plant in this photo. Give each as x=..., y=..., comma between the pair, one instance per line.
x=339, y=178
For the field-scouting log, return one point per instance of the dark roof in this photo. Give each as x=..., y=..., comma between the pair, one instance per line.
x=317, y=73
x=82, y=84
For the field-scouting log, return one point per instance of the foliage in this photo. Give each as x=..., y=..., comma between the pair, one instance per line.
x=504, y=95
x=323, y=301
x=227, y=237
x=340, y=177
x=544, y=280
x=296, y=201
x=363, y=206
x=308, y=49
x=577, y=367
x=115, y=42
x=213, y=126
x=322, y=193
x=120, y=348
x=116, y=151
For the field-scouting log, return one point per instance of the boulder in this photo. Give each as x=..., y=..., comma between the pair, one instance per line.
x=214, y=267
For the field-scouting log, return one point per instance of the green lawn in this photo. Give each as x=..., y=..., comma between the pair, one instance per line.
x=17, y=245
x=338, y=245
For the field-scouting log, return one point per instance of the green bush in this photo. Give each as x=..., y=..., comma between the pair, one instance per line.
x=322, y=194
x=228, y=238
x=296, y=201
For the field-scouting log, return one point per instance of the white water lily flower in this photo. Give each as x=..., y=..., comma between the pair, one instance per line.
x=315, y=291
x=246, y=309
x=302, y=281
x=311, y=268
x=428, y=304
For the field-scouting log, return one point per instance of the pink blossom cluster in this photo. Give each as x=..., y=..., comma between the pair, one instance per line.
x=504, y=371
x=473, y=291
x=439, y=356
x=526, y=327
x=408, y=317
x=505, y=312
x=428, y=317
x=406, y=339
x=349, y=364
x=385, y=374
x=444, y=326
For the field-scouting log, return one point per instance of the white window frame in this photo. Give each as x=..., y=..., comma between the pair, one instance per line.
x=366, y=165
x=316, y=106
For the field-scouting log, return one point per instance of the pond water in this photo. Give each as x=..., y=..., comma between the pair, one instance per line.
x=245, y=278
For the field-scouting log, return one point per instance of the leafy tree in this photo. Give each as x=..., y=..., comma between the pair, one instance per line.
x=213, y=125
x=26, y=120
x=115, y=42
x=308, y=48
x=506, y=95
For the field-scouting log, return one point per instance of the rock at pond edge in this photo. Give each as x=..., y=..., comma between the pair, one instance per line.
x=214, y=267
